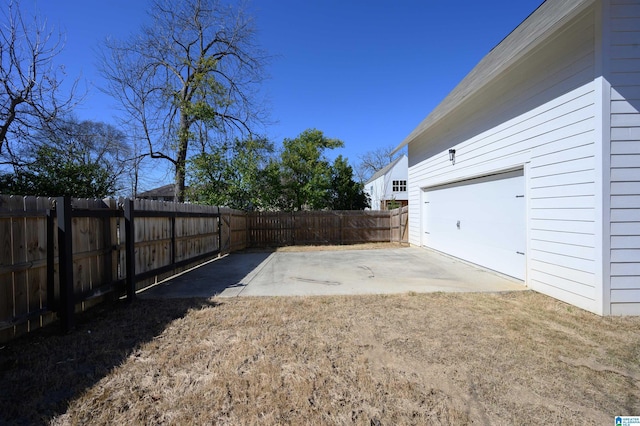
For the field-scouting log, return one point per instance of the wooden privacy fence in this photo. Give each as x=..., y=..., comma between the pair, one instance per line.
x=60, y=256
x=272, y=229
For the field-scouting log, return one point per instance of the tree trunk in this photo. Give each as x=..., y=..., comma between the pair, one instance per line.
x=181, y=159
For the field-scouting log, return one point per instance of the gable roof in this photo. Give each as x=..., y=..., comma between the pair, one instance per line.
x=531, y=33
x=383, y=171
x=162, y=191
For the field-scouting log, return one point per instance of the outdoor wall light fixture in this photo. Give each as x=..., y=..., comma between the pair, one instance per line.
x=452, y=156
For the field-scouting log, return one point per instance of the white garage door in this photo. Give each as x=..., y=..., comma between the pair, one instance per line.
x=479, y=220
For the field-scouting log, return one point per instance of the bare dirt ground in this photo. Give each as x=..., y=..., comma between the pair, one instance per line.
x=512, y=358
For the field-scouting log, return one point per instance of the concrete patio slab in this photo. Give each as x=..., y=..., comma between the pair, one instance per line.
x=345, y=272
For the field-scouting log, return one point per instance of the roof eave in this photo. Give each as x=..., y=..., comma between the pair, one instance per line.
x=384, y=170
x=533, y=31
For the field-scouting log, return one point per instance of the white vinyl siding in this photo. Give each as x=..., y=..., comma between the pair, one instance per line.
x=539, y=114
x=375, y=189
x=382, y=189
x=625, y=157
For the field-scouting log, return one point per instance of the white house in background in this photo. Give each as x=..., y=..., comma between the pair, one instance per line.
x=531, y=165
x=387, y=188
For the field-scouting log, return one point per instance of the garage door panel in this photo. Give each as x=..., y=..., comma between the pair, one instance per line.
x=480, y=220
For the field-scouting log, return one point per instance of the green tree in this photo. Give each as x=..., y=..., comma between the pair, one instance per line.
x=305, y=172
x=81, y=159
x=271, y=185
x=55, y=173
x=244, y=174
x=346, y=194
x=230, y=175
x=193, y=71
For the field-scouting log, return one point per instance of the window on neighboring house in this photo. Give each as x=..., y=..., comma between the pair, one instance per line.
x=399, y=185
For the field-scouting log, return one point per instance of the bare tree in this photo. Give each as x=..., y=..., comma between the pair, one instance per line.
x=372, y=161
x=30, y=84
x=139, y=167
x=194, y=67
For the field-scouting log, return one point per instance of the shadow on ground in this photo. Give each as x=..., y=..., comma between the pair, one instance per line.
x=229, y=274
x=42, y=372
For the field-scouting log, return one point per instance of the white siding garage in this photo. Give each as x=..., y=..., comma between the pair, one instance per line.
x=559, y=100
x=480, y=220
x=624, y=47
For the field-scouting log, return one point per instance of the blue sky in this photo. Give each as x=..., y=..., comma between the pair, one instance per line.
x=363, y=71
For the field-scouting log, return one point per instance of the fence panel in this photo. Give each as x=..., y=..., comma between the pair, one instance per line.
x=92, y=252
x=366, y=226
x=268, y=229
x=316, y=228
x=400, y=225
x=171, y=237
x=273, y=229
x=23, y=262
x=152, y=236
x=6, y=264
x=19, y=257
x=234, y=230
x=36, y=240
x=195, y=236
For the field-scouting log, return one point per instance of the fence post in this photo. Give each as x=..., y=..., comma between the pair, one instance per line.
x=230, y=224
x=391, y=227
x=174, y=244
x=246, y=229
x=403, y=225
x=65, y=253
x=220, y=226
x=129, y=231
x=109, y=243
x=51, y=300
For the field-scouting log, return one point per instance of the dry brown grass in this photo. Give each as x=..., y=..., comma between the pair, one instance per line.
x=517, y=358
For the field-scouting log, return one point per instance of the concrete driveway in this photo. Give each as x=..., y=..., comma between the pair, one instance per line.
x=380, y=271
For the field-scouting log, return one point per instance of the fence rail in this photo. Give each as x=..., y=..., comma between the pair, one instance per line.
x=59, y=256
